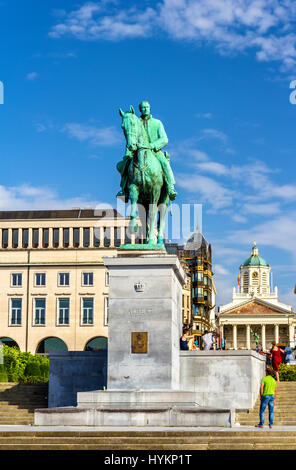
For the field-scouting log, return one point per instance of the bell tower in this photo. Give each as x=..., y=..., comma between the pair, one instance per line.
x=254, y=277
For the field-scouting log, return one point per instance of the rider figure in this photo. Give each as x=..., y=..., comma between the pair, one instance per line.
x=157, y=139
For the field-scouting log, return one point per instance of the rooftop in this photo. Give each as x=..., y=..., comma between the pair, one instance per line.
x=75, y=213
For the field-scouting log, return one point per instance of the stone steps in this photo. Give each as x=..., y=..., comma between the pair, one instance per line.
x=18, y=402
x=254, y=440
x=284, y=410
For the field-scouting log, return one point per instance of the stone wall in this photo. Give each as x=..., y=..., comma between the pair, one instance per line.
x=222, y=379
x=75, y=371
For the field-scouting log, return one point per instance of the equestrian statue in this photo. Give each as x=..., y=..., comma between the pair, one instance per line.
x=147, y=180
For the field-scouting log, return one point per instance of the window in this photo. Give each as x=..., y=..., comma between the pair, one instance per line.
x=56, y=237
x=45, y=237
x=63, y=311
x=39, y=312
x=64, y=279
x=106, y=310
x=5, y=238
x=40, y=279
x=86, y=237
x=35, y=237
x=16, y=279
x=87, y=279
x=107, y=278
x=15, y=237
x=97, y=236
x=25, y=237
x=117, y=236
x=76, y=237
x=66, y=237
x=16, y=312
x=87, y=311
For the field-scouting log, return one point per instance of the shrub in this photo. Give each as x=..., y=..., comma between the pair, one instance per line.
x=24, y=367
x=287, y=373
x=3, y=374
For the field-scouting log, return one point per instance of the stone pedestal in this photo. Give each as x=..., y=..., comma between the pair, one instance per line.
x=145, y=321
x=145, y=384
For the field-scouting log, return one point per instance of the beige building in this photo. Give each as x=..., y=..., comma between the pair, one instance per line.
x=255, y=311
x=53, y=282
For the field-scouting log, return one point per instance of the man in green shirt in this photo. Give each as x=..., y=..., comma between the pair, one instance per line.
x=267, y=394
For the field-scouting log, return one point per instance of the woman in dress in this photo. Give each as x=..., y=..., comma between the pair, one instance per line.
x=276, y=358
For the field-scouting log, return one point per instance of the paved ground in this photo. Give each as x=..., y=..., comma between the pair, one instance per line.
x=31, y=428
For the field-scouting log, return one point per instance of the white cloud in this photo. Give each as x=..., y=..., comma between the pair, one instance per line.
x=86, y=23
x=262, y=209
x=220, y=269
x=32, y=76
x=213, y=167
x=207, y=190
x=215, y=134
x=232, y=26
x=28, y=197
x=98, y=136
x=204, y=115
x=278, y=232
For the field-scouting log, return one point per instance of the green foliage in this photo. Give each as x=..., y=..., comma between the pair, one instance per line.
x=24, y=367
x=3, y=374
x=287, y=373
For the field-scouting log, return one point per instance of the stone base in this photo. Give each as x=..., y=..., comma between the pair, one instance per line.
x=135, y=408
x=160, y=416
x=144, y=246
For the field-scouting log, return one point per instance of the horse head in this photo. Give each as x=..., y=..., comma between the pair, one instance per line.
x=130, y=128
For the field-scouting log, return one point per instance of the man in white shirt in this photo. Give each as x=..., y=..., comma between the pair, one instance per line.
x=208, y=340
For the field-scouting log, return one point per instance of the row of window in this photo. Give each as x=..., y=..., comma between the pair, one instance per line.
x=198, y=276
x=63, y=279
x=61, y=237
x=63, y=311
x=201, y=293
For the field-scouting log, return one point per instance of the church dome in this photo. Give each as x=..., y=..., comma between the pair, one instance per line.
x=255, y=259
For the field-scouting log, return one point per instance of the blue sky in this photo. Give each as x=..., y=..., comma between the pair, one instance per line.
x=217, y=73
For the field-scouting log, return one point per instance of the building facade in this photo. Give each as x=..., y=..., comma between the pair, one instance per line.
x=199, y=299
x=255, y=314
x=53, y=282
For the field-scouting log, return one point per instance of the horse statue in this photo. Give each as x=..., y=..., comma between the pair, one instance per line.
x=146, y=184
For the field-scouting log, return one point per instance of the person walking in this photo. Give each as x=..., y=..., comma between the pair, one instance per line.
x=267, y=395
x=288, y=355
x=207, y=340
x=276, y=358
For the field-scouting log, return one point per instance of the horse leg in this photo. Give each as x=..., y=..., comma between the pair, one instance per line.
x=153, y=213
x=142, y=211
x=133, y=196
x=162, y=208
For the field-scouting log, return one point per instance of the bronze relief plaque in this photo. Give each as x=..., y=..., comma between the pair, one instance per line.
x=140, y=342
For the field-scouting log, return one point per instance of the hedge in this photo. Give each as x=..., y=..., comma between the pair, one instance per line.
x=23, y=367
x=287, y=373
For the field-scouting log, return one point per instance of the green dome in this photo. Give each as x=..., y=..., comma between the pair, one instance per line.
x=255, y=261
